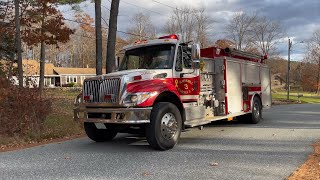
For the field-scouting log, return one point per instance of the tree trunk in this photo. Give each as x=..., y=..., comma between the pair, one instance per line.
x=42, y=64
x=10, y=69
x=98, y=37
x=318, y=78
x=32, y=53
x=18, y=42
x=112, y=35
x=73, y=64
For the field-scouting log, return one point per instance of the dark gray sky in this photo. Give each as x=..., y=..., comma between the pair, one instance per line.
x=300, y=18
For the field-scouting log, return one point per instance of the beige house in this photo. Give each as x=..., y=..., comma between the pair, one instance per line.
x=54, y=76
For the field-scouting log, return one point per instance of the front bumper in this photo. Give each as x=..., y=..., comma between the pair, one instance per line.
x=112, y=115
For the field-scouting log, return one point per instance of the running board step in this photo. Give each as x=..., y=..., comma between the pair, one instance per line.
x=199, y=122
x=196, y=122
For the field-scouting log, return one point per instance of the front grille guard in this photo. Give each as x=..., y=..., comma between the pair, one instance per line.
x=97, y=89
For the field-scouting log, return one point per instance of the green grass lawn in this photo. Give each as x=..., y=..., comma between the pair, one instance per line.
x=60, y=122
x=306, y=98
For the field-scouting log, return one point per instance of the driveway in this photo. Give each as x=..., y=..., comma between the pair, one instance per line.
x=272, y=149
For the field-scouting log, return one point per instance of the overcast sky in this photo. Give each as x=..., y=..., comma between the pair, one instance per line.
x=299, y=17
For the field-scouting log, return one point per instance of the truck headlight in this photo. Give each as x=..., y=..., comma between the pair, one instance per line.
x=136, y=98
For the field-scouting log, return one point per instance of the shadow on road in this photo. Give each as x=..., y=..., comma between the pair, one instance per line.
x=280, y=117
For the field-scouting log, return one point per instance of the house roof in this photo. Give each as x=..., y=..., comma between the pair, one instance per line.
x=32, y=67
x=62, y=70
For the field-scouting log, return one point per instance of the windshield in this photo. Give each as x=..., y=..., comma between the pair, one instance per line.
x=149, y=57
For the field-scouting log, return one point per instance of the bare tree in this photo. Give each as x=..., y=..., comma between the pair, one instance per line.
x=265, y=33
x=112, y=35
x=239, y=29
x=203, y=24
x=171, y=26
x=182, y=22
x=142, y=26
x=84, y=49
x=313, y=56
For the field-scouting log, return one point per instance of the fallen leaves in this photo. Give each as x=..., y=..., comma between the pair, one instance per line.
x=146, y=174
x=311, y=168
x=214, y=164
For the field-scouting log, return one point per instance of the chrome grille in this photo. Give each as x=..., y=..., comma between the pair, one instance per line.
x=98, y=89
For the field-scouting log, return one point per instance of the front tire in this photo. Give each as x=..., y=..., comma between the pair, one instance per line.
x=165, y=126
x=256, y=114
x=99, y=135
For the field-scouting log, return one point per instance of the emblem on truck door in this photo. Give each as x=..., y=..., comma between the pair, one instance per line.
x=187, y=86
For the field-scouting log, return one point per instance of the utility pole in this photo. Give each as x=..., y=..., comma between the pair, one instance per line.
x=98, y=37
x=18, y=42
x=288, y=73
x=112, y=35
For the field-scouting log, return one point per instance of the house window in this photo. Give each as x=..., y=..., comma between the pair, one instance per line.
x=52, y=81
x=71, y=79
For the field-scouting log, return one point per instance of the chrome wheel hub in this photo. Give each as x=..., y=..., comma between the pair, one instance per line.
x=256, y=110
x=169, y=126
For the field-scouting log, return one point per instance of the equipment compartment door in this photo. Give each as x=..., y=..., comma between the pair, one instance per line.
x=265, y=87
x=234, y=87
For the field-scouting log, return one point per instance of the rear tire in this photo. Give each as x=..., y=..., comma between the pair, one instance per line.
x=163, y=131
x=256, y=113
x=99, y=135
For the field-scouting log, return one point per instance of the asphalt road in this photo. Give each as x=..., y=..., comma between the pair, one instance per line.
x=272, y=149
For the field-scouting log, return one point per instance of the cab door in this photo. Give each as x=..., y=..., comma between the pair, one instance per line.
x=185, y=78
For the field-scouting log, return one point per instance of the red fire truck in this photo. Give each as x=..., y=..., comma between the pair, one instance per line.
x=163, y=86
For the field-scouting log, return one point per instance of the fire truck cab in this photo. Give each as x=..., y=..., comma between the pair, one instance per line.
x=163, y=86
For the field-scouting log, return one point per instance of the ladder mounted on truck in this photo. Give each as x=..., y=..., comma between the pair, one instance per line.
x=214, y=52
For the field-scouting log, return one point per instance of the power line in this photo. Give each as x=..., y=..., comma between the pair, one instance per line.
x=142, y=7
x=175, y=8
x=70, y=34
x=128, y=33
x=109, y=10
x=166, y=5
x=124, y=32
x=84, y=36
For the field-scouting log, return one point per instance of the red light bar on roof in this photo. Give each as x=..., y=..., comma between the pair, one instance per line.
x=172, y=36
x=137, y=78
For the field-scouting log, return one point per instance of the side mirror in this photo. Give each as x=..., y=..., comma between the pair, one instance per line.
x=196, y=64
x=195, y=52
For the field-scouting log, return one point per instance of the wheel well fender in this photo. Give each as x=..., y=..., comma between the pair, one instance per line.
x=258, y=96
x=171, y=97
